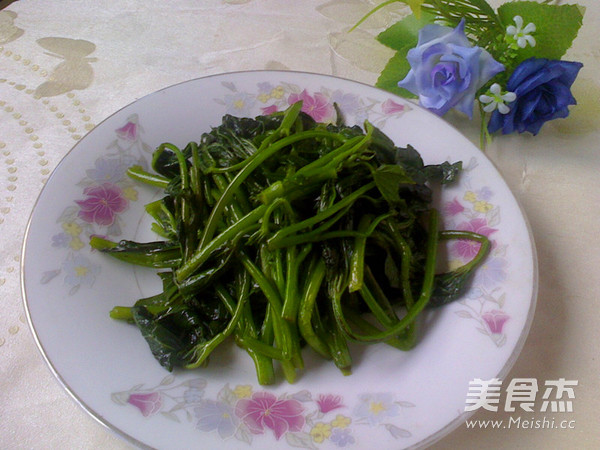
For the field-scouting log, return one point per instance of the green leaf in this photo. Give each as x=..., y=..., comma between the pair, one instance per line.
x=405, y=32
x=484, y=7
x=388, y=179
x=394, y=71
x=415, y=6
x=448, y=287
x=402, y=36
x=556, y=27
x=480, y=17
x=443, y=173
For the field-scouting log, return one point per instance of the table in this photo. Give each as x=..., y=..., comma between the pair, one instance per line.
x=67, y=65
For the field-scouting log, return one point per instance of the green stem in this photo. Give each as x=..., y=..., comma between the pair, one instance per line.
x=483, y=249
x=182, y=161
x=246, y=329
x=308, y=305
x=283, y=335
x=291, y=297
x=314, y=173
x=139, y=174
x=202, y=351
x=248, y=342
x=484, y=135
x=307, y=223
x=366, y=227
x=373, y=11
x=405, y=260
x=200, y=256
x=405, y=343
x=159, y=255
x=412, y=313
x=254, y=162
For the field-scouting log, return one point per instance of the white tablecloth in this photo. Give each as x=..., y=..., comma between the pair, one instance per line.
x=64, y=66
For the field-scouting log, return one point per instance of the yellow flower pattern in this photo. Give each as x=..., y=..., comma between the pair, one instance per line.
x=76, y=243
x=71, y=228
x=320, y=432
x=470, y=196
x=341, y=421
x=479, y=205
x=130, y=193
x=277, y=92
x=243, y=391
x=482, y=206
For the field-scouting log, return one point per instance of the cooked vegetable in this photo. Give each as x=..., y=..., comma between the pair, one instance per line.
x=281, y=233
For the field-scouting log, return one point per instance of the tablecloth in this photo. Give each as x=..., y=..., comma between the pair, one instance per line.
x=65, y=66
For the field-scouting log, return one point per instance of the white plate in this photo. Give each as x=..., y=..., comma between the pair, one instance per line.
x=391, y=400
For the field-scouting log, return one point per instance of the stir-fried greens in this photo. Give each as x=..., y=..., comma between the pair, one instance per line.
x=281, y=233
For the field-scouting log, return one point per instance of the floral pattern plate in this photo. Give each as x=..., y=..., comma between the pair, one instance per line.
x=392, y=399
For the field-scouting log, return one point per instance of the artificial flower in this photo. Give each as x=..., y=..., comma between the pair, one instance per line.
x=496, y=99
x=447, y=70
x=508, y=58
x=519, y=35
x=543, y=93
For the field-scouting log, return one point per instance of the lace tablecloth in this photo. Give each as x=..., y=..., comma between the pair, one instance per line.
x=65, y=66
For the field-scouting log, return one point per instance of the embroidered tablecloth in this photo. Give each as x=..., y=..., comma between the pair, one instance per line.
x=65, y=66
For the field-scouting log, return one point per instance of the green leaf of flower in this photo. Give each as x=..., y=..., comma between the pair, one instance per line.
x=405, y=32
x=557, y=27
x=395, y=70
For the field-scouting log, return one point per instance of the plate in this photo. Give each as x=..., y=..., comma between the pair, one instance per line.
x=393, y=399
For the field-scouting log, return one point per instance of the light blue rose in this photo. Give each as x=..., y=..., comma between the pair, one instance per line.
x=447, y=70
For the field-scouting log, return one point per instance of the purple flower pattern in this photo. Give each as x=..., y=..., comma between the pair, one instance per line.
x=213, y=415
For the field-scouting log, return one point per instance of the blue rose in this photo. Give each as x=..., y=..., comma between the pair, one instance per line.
x=543, y=89
x=447, y=70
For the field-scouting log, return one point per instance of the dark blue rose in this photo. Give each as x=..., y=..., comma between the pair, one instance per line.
x=543, y=89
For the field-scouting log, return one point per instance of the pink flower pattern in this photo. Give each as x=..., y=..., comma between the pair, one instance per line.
x=148, y=403
x=102, y=204
x=495, y=320
x=129, y=131
x=453, y=208
x=468, y=249
x=329, y=402
x=265, y=410
x=391, y=107
x=317, y=106
x=269, y=109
